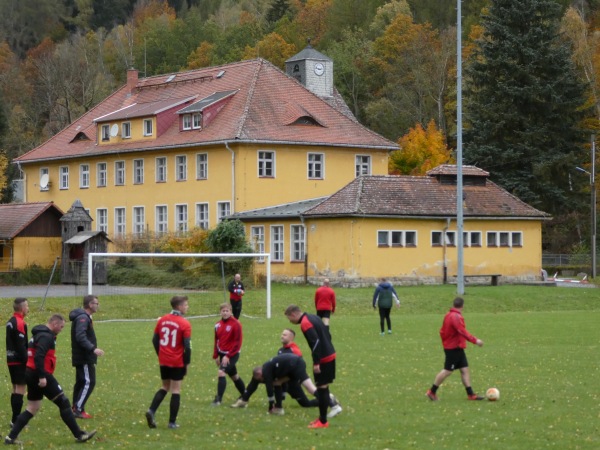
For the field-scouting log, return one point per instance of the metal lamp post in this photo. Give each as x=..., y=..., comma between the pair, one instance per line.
x=592, y=176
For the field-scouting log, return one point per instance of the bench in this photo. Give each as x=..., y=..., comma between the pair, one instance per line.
x=494, y=277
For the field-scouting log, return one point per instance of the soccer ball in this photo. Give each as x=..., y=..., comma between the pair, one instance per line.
x=492, y=394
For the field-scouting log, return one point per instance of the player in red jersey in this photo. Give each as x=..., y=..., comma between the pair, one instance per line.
x=325, y=302
x=228, y=343
x=323, y=356
x=16, y=354
x=172, y=341
x=454, y=336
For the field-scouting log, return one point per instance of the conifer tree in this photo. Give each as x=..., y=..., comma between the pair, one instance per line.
x=524, y=104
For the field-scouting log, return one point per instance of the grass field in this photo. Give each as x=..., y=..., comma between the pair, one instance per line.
x=541, y=351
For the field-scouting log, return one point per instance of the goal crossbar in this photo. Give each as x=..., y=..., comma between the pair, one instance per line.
x=266, y=256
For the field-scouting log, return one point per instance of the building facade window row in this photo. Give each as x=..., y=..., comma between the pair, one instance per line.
x=408, y=238
x=265, y=159
x=140, y=225
x=277, y=248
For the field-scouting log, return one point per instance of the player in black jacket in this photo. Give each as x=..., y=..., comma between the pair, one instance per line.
x=16, y=354
x=41, y=383
x=323, y=356
x=84, y=354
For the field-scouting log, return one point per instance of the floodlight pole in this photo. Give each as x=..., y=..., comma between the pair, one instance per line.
x=592, y=176
x=460, y=279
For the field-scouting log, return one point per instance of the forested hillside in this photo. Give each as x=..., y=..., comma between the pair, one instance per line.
x=394, y=63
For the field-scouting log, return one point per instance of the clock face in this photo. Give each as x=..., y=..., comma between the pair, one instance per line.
x=319, y=69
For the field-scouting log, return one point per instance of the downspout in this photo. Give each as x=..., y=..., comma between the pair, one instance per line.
x=445, y=275
x=305, y=249
x=233, y=210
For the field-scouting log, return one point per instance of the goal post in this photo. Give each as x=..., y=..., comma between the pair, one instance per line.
x=96, y=270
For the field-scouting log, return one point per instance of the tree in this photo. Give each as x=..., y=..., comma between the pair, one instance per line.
x=228, y=237
x=420, y=151
x=272, y=48
x=524, y=102
x=278, y=9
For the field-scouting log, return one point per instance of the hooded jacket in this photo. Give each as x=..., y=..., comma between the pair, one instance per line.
x=83, y=338
x=384, y=295
x=41, y=352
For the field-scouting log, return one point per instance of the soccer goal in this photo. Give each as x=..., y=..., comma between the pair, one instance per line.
x=203, y=277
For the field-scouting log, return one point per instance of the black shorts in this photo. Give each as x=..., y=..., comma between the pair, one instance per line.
x=230, y=369
x=35, y=392
x=455, y=359
x=298, y=373
x=327, y=374
x=172, y=373
x=17, y=374
x=324, y=313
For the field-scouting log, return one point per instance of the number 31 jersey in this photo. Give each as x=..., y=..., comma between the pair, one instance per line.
x=172, y=330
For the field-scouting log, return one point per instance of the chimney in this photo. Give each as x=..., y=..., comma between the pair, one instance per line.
x=132, y=79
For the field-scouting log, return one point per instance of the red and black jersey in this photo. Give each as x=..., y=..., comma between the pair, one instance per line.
x=16, y=340
x=41, y=352
x=290, y=348
x=317, y=336
x=235, y=289
x=228, y=337
x=172, y=340
x=453, y=332
x=325, y=299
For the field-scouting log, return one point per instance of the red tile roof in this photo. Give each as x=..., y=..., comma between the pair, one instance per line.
x=14, y=217
x=259, y=112
x=421, y=196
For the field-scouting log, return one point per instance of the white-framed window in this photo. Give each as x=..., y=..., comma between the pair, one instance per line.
x=148, y=127
x=504, y=239
x=363, y=165
x=119, y=173
x=396, y=238
x=102, y=219
x=297, y=242
x=316, y=166
x=120, y=222
x=181, y=218
x=101, y=174
x=44, y=171
x=202, y=215
x=64, y=177
x=187, y=122
x=516, y=239
x=449, y=240
x=139, y=220
x=161, y=169
x=84, y=176
x=223, y=210
x=105, y=131
x=257, y=239
x=181, y=168
x=202, y=166
x=277, y=242
x=162, y=219
x=138, y=171
x=126, y=130
x=266, y=164
x=197, y=121
x=472, y=238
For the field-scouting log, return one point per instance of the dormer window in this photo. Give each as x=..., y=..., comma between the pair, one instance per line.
x=187, y=121
x=126, y=130
x=197, y=121
x=105, y=133
x=148, y=127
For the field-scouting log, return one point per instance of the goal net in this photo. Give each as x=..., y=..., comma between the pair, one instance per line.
x=140, y=285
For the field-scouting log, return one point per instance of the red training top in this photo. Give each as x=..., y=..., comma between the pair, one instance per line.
x=453, y=331
x=325, y=299
x=228, y=337
x=172, y=330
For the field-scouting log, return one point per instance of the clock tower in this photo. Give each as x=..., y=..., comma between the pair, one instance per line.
x=313, y=69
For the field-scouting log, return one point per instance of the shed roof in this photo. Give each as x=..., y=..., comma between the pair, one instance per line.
x=84, y=236
x=14, y=217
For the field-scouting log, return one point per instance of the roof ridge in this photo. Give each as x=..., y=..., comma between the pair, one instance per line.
x=249, y=98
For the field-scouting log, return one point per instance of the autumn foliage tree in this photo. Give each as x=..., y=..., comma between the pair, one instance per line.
x=420, y=151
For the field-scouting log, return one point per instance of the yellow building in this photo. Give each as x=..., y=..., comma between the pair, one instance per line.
x=171, y=152
x=402, y=228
